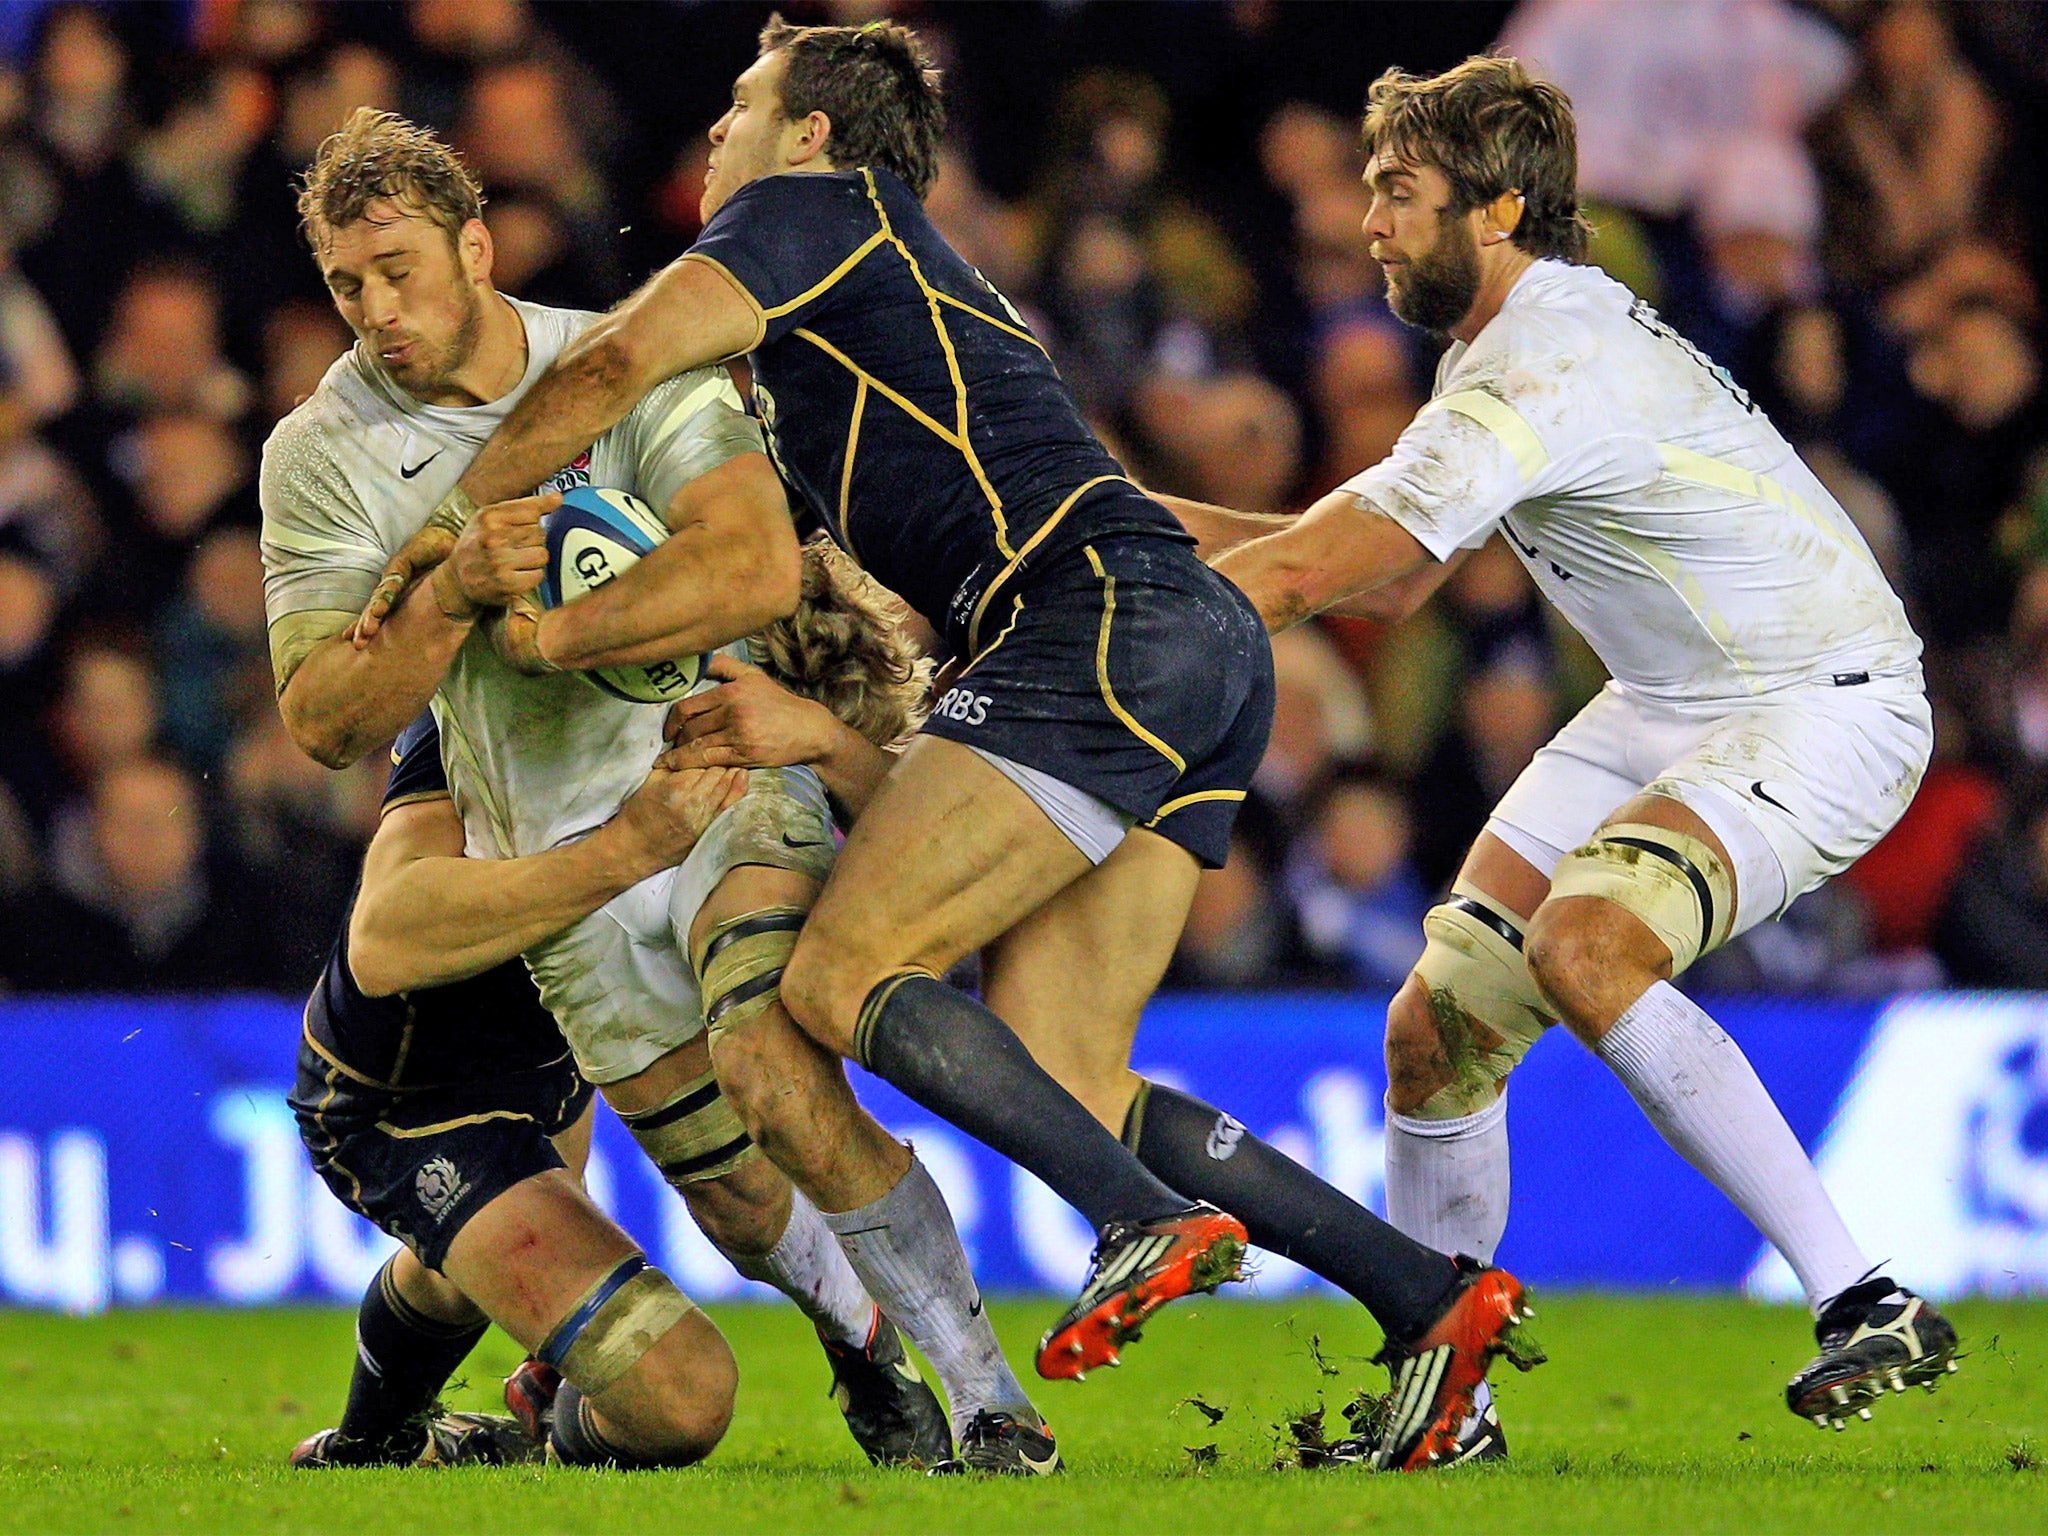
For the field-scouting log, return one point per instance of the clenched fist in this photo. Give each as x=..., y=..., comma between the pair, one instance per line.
x=751, y=721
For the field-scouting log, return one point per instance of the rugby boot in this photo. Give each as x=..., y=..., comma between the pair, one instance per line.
x=1873, y=1336
x=1480, y=1438
x=331, y=1448
x=530, y=1394
x=1436, y=1375
x=1137, y=1268
x=998, y=1444
x=892, y=1414
x=480, y=1440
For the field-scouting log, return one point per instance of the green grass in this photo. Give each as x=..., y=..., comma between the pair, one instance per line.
x=1656, y=1414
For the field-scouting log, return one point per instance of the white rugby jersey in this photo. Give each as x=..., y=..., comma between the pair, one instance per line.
x=1652, y=502
x=353, y=473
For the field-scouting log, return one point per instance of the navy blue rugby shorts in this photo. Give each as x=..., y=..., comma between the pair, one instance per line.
x=420, y=1162
x=1131, y=670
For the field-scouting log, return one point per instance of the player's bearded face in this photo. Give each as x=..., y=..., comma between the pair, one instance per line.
x=1435, y=290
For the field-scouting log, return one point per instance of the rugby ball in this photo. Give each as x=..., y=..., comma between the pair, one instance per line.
x=594, y=537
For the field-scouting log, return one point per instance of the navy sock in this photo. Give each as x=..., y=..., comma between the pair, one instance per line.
x=403, y=1360
x=1288, y=1210
x=578, y=1442
x=965, y=1065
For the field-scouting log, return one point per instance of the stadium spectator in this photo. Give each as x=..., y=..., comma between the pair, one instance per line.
x=1355, y=890
x=137, y=910
x=1994, y=930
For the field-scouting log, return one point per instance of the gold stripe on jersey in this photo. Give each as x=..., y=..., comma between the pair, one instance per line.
x=909, y=407
x=1001, y=325
x=1698, y=469
x=1016, y=612
x=334, y=1061
x=1182, y=802
x=1503, y=421
x=760, y=315
x=412, y=1132
x=831, y=279
x=1180, y=764
x=931, y=299
x=1016, y=560
x=860, y=407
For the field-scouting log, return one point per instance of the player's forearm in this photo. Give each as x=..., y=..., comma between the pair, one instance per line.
x=431, y=921
x=685, y=316
x=705, y=587
x=852, y=769
x=1340, y=548
x=1215, y=528
x=343, y=702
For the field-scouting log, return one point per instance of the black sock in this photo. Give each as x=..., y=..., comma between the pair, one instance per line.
x=577, y=1441
x=403, y=1359
x=964, y=1064
x=1288, y=1210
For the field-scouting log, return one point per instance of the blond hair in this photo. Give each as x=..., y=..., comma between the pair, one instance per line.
x=381, y=155
x=846, y=647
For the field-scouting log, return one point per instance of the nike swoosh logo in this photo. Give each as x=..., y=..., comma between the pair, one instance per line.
x=1757, y=789
x=407, y=474
x=975, y=1310
x=790, y=842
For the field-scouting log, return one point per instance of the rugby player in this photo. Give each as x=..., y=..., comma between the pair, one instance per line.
x=394, y=221
x=439, y=1100
x=1765, y=725
x=1088, y=761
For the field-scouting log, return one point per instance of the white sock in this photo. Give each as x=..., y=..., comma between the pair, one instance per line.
x=906, y=1249
x=1700, y=1091
x=1447, y=1180
x=808, y=1266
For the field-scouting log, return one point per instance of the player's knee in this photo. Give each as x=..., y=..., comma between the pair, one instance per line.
x=1414, y=1049
x=679, y=1402
x=645, y=1357
x=1586, y=955
x=1467, y=1015
x=821, y=993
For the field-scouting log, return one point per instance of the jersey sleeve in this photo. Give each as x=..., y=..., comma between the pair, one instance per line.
x=1460, y=466
x=786, y=241
x=416, y=771
x=320, y=548
x=683, y=428
x=321, y=552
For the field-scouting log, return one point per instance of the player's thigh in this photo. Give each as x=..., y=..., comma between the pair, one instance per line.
x=949, y=854
x=1072, y=977
x=532, y=1254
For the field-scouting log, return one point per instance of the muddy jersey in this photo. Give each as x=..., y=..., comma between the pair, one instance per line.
x=355, y=471
x=1649, y=497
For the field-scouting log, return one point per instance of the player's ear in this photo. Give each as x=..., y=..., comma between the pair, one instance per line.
x=473, y=248
x=1503, y=214
x=812, y=137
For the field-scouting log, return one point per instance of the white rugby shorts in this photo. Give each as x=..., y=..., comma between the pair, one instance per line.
x=619, y=982
x=1797, y=785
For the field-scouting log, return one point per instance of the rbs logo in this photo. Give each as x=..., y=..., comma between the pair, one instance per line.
x=959, y=704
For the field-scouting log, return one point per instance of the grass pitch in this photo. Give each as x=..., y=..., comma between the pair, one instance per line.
x=1656, y=1414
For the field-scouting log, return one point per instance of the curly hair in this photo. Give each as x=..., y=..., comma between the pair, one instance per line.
x=381, y=155
x=846, y=647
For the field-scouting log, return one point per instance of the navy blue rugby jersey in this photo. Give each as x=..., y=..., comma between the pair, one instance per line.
x=906, y=402
x=483, y=1027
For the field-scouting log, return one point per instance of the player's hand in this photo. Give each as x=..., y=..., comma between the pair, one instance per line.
x=502, y=554
x=750, y=721
x=515, y=636
x=662, y=820
x=422, y=553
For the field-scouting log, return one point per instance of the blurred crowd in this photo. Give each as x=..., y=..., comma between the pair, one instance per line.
x=1833, y=199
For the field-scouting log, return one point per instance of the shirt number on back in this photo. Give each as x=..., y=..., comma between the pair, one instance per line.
x=1650, y=321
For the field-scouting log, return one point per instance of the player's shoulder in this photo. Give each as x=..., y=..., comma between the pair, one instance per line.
x=802, y=207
